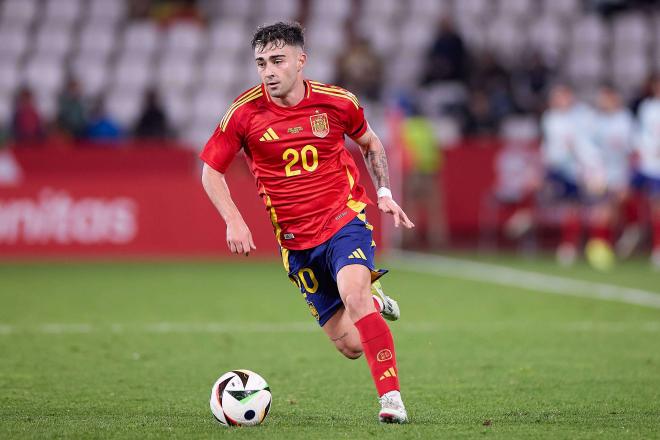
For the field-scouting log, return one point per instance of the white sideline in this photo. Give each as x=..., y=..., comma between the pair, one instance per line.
x=506, y=276
x=418, y=327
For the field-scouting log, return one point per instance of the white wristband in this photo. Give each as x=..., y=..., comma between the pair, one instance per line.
x=384, y=192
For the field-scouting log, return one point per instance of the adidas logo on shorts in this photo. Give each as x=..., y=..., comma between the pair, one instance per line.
x=357, y=253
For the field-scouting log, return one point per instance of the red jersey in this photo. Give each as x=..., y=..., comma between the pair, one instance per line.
x=304, y=174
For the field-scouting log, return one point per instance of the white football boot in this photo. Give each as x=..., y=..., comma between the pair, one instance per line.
x=392, y=409
x=389, y=308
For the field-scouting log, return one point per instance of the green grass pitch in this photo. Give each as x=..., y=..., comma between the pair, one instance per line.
x=130, y=350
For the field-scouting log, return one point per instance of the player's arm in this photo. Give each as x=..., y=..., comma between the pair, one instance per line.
x=376, y=160
x=239, y=237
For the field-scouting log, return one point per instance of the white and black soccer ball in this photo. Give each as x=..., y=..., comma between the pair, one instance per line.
x=240, y=398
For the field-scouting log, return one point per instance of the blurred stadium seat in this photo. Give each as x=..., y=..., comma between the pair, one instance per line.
x=19, y=12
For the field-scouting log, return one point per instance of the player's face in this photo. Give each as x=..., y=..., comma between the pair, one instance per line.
x=561, y=98
x=279, y=67
x=609, y=100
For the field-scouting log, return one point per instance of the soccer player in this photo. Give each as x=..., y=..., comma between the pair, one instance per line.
x=648, y=147
x=292, y=131
x=612, y=136
x=572, y=164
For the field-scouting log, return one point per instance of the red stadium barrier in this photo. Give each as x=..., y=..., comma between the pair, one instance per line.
x=120, y=202
x=467, y=177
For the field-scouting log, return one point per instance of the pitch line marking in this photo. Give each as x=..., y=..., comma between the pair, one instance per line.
x=164, y=328
x=506, y=276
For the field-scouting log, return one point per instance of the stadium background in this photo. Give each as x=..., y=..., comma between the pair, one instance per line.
x=445, y=84
x=117, y=98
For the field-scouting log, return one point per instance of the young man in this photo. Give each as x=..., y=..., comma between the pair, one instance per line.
x=612, y=136
x=648, y=149
x=292, y=133
x=573, y=168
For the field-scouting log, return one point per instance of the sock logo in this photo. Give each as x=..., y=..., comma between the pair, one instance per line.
x=384, y=355
x=388, y=373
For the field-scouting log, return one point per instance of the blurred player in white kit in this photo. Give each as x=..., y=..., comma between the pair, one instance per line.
x=612, y=136
x=648, y=166
x=574, y=171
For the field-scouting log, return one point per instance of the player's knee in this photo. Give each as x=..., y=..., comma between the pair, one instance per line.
x=350, y=352
x=358, y=305
x=350, y=346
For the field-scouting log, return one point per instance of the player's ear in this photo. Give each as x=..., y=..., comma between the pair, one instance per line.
x=302, y=59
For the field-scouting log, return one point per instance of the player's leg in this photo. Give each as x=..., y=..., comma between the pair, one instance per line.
x=354, y=284
x=343, y=334
x=351, y=256
x=315, y=281
x=564, y=195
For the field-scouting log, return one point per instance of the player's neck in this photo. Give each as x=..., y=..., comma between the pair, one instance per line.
x=292, y=98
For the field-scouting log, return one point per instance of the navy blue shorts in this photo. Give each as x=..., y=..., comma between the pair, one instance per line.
x=561, y=187
x=646, y=183
x=315, y=270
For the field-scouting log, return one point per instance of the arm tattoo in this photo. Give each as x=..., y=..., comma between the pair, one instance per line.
x=340, y=337
x=377, y=166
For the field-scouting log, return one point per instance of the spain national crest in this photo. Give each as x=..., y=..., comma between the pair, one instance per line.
x=320, y=125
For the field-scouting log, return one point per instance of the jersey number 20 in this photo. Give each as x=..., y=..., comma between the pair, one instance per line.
x=293, y=157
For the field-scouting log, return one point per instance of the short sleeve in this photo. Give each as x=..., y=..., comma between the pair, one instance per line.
x=221, y=148
x=356, y=124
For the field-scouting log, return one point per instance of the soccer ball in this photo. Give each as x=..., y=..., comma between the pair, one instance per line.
x=240, y=398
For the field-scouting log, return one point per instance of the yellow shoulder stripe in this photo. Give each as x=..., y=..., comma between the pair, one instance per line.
x=337, y=94
x=252, y=90
x=330, y=88
x=240, y=100
x=236, y=105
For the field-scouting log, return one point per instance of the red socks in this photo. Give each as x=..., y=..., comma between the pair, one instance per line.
x=570, y=229
x=378, y=347
x=656, y=233
x=602, y=232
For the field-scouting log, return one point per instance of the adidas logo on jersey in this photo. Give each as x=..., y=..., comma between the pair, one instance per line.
x=388, y=373
x=269, y=135
x=357, y=253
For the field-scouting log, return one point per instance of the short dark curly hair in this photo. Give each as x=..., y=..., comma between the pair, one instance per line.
x=280, y=33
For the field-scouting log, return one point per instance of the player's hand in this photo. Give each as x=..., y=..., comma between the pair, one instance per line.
x=389, y=206
x=239, y=238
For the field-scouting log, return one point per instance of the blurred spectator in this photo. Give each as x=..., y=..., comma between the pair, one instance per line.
x=27, y=126
x=169, y=11
x=360, y=69
x=421, y=186
x=153, y=122
x=139, y=9
x=486, y=72
x=71, y=111
x=491, y=78
x=101, y=127
x=447, y=58
x=479, y=117
x=530, y=81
